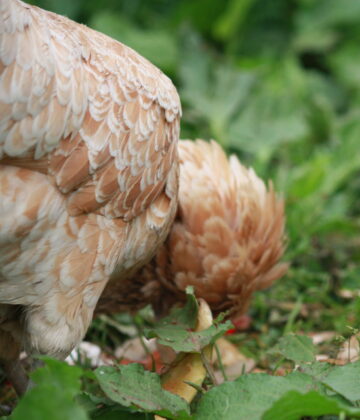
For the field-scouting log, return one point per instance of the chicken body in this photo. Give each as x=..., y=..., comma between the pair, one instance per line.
x=88, y=173
x=226, y=241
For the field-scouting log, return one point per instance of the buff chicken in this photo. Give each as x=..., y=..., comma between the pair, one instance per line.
x=226, y=241
x=88, y=174
x=89, y=192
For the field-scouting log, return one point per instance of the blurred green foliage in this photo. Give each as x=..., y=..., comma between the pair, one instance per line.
x=277, y=83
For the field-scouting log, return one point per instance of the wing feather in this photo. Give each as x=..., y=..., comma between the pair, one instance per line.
x=93, y=114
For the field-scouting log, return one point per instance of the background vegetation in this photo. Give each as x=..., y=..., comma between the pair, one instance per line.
x=278, y=83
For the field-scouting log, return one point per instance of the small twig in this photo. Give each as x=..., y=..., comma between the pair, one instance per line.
x=279, y=362
x=145, y=347
x=208, y=368
x=243, y=369
x=221, y=365
x=293, y=314
x=196, y=386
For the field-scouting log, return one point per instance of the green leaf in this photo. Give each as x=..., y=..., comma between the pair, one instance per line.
x=56, y=373
x=318, y=370
x=175, y=330
x=345, y=380
x=298, y=348
x=186, y=316
x=249, y=396
x=190, y=342
x=53, y=397
x=294, y=405
x=132, y=386
x=342, y=379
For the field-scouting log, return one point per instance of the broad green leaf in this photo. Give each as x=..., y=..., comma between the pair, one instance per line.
x=298, y=348
x=342, y=379
x=294, y=405
x=345, y=380
x=56, y=373
x=132, y=386
x=186, y=316
x=175, y=330
x=249, y=396
x=53, y=397
x=190, y=342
